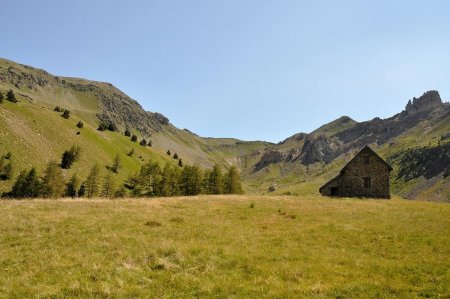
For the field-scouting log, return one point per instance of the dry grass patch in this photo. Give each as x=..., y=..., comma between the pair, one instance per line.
x=217, y=246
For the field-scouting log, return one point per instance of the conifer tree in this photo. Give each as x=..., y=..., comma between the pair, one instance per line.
x=82, y=190
x=70, y=156
x=26, y=185
x=72, y=187
x=149, y=179
x=175, y=156
x=233, y=182
x=10, y=96
x=18, y=188
x=143, y=142
x=169, y=185
x=80, y=124
x=92, y=183
x=108, y=187
x=5, y=167
x=116, y=164
x=1, y=97
x=66, y=114
x=52, y=181
x=134, y=138
x=127, y=133
x=180, y=163
x=215, y=180
x=169, y=153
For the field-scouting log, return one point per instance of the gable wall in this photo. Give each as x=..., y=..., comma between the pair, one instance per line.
x=352, y=179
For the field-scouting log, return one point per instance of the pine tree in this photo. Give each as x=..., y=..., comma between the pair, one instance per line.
x=72, y=187
x=10, y=96
x=180, y=163
x=93, y=182
x=52, y=181
x=134, y=138
x=215, y=181
x=66, y=114
x=18, y=188
x=169, y=153
x=233, y=182
x=127, y=133
x=5, y=167
x=7, y=172
x=32, y=184
x=70, y=156
x=26, y=185
x=175, y=156
x=82, y=190
x=149, y=179
x=57, y=109
x=108, y=188
x=80, y=124
x=1, y=97
x=169, y=185
x=143, y=142
x=116, y=164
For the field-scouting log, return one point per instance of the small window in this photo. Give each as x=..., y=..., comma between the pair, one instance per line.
x=367, y=183
x=366, y=159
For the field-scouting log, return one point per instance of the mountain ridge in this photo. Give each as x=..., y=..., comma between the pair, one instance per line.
x=299, y=163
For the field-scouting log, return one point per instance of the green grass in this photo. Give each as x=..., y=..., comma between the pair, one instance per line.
x=225, y=246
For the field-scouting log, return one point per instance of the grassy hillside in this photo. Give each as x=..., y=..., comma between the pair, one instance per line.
x=35, y=134
x=218, y=246
x=300, y=164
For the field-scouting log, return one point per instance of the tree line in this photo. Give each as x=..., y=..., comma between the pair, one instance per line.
x=152, y=180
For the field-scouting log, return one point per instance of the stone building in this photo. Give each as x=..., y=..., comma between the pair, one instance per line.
x=366, y=175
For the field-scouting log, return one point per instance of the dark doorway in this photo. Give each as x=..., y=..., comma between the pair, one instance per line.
x=334, y=191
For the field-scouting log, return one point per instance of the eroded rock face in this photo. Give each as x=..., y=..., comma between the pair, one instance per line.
x=269, y=157
x=318, y=149
x=161, y=118
x=427, y=102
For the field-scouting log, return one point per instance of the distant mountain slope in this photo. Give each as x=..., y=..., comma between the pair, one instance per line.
x=35, y=134
x=304, y=161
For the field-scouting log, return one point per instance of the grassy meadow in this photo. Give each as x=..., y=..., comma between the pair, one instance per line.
x=224, y=246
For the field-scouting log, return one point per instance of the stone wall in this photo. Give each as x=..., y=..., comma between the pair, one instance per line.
x=350, y=182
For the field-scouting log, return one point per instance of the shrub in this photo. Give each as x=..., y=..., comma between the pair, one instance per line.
x=134, y=138
x=80, y=124
x=10, y=96
x=58, y=109
x=169, y=153
x=102, y=127
x=127, y=133
x=112, y=127
x=131, y=152
x=70, y=156
x=66, y=114
x=143, y=142
x=1, y=97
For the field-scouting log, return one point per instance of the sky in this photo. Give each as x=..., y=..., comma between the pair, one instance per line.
x=249, y=69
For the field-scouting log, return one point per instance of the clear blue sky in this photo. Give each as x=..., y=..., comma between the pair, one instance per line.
x=247, y=69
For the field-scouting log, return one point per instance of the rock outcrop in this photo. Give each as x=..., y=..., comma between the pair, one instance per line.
x=427, y=102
